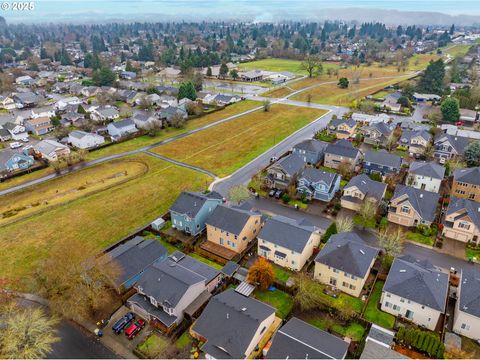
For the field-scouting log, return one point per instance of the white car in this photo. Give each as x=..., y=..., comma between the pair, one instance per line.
x=25, y=140
x=15, y=145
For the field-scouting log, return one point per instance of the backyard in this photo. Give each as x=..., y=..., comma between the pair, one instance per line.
x=226, y=147
x=373, y=313
x=100, y=219
x=280, y=300
x=324, y=321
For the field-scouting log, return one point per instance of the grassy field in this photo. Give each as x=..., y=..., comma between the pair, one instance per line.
x=100, y=219
x=457, y=50
x=278, y=299
x=170, y=132
x=373, y=313
x=25, y=178
x=274, y=65
x=224, y=148
x=279, y=92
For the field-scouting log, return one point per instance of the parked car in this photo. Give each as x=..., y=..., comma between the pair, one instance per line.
x=122, y=322
x=15, y=145
x=134, y=329
x=278, y=194
x=460, y=123
x=272, y=192
x=26, y=140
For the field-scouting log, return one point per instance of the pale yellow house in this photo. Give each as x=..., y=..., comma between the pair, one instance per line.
x=462, y=220
x=287, y=242
x=360, y=189
x=412, y=207
x=345, y=263
x=416, y=141
x=467, y=310
x=416, y=291
x=233, y=227
x=342, y=128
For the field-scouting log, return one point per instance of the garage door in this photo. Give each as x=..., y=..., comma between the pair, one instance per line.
x=139, y=311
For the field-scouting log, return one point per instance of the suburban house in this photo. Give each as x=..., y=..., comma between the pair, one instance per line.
x=144, y=118
x=416, y=141
x=342, y=128
x=252, y=75
x=26, y=99
x=318, y=184
x=448, y=146
x=288, y=242
x=345, y=263
x=425, y=175
x=15, y=131
x=379, y=343
x=311, y=150
x=370, y=119
x=283, y=173
x=340, y=152
x=381, y=162
x=466, y=183
x=104, y=113
x=412, y=207
x=233, y=325
x=300, y=340
x=38, y=126
x=376, y=133
x=468, y=115
x=190, y=211
x=51, y=150
x=12, y=161
x=416, y=291
x=169, y=112
x=462, y=220
x=121, y=128
x=133, y=258
x=233, y=227
x=360, y=189
x=170, y=288
x=84, y=140
x=467, y=310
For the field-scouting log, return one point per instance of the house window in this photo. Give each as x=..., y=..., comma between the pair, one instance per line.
x=228, y=242
x=471, y=196
x=465, y=327
x=235, y=237
x=464, y=225
x=336, y=270
x=153, y=301
x=345, y=284
x=388, y=295
x=293, y=262
x=333, y=281
x=402, y=300
x=387, y=304
x=222, y=241
x=352, y=287
x=405, y=209
x=396, y=307
x=233, y=244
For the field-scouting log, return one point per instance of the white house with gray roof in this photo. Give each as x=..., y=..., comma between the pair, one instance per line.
x=345, y=262
x=84, y=140
x=104, y=113
x=425, y=175
x=415, y=290
x=448, y=146
x=467, y=310
x=287, y=242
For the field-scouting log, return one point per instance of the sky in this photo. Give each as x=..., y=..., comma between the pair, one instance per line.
x=252, y=10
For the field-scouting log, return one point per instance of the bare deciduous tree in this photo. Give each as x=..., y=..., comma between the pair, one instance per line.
x=344, y=224
x=392, y=241
x=238, y=193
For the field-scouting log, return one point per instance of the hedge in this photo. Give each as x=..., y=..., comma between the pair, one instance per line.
x=425, y=341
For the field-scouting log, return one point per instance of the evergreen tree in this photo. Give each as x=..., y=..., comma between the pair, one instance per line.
x=187, y=90
x=431, y=81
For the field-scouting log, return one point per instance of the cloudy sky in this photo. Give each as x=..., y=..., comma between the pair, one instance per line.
x=252, y=10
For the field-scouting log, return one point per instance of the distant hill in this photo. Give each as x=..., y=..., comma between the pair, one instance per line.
x=3, y=22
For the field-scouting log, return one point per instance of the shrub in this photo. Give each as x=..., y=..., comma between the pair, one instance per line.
x=338, y=206
x=401, y=334
x=376, y=176
x=331, y=230
x=440, y=351
x=286, y=198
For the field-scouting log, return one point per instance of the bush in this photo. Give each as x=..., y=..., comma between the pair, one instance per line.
x=337, y=206
x=376, y=176
x=286, y=198
x=331, y=230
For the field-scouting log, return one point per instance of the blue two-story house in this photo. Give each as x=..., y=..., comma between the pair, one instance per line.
x=311, y=151
x=318, y=184
x=381, y=162
x=191, y=210
x=12, y=161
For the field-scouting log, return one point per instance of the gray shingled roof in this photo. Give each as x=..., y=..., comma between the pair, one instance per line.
x=459, y=143
x=135, y=255
x=339, y=121
x=342, y=148
x=287, y=232
x=312, y=145
x=383, y=128
x=383, y=158
x=229, y=323
x=470, y=291
x=407, y=135
x=347, y=252
x=418, y=281
x=430, y=169
x=292, y=163
x=78, y=134
x=230, y=218
x=469, y=176
x=373, y=350
x=190, y=203
x=315, y=175
x=471, y=209
x=206, y=271
x=367, y=186
x=299, y=340
x=125, y=123
x=424, y=202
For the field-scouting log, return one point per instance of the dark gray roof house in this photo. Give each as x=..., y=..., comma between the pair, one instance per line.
x=311, y=150
x=382, y=159
x=470, y=208
x=430, y=169
x=299, y=340
x=469, y=176
x=286, y=232
x=370, y=188
x=231, y=219
x=190, y=203
x=424, y=202
x=447, y=145
x=229, y=323
x=342, y=148
x=291, y=164
x=349, y=253
x=418, y=281
x=133, y=257
x=469, y=301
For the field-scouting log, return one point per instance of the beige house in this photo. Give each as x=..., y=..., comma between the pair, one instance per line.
x=416, y=141
x=462, y=220
x=416, y=291
x=233, y=227
x=467, y=310
x=360, y=189
x=287, y=242
x=341, y=152
x=466, y=183
x=412, y=207
x=342, y=128
x=345, y=263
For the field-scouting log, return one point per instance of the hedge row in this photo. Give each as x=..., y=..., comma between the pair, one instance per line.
x=425, y=341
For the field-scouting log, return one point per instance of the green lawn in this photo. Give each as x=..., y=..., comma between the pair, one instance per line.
x=279, y=65
x=278, y=299
x=343, y=183
x=206, y=261
x=341, y=301
x=370, y=223
x=170, y=247
x=183, y=341
x=353, y=330
x=325, y=136
x=420, y=238
x=327, y=169
x=281, y=274
x=472, y=253
x=380, y=95
x=458, y=50
x=300, y=204
x=154, y=346
x=373, y=313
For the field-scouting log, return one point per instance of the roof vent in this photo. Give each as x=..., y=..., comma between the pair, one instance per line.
x=228, y=316
x=403, y=270
x=421, y=196
x=362, y=252
x=244, y=309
